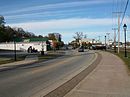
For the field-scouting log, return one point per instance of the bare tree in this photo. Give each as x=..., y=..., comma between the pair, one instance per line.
x=78, y=36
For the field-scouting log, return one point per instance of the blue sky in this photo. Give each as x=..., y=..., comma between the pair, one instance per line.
x=92, y=17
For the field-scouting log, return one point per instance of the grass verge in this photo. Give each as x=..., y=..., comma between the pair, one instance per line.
x=4, y=60
x=122, y=56
x=125, y=59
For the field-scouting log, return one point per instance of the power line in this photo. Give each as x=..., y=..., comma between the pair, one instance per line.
x=119, y=23
x=124, y=12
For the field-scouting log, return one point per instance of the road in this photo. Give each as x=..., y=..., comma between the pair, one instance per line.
x=29, y=80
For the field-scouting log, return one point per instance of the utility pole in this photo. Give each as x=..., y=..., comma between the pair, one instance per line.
x=119, y=15
x=114, y=38
x=108, y=38
x=99, y=38
x=119, y=32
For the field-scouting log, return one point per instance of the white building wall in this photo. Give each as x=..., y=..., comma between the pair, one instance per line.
x=24, y=46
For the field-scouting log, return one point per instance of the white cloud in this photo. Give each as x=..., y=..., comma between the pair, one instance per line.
x=58, y=6
x=64, y=23
x=46, y=13
x=67, y=27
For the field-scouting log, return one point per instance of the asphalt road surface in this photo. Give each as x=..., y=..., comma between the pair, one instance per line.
x=29, y=80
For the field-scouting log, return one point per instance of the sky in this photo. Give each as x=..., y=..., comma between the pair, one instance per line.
x=92, y=17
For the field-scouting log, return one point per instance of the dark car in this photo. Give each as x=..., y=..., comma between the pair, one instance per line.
x=81, y=49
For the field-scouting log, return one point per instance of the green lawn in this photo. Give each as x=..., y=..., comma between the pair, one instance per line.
x=4, y=60
x=125, y=59
x=122, y=56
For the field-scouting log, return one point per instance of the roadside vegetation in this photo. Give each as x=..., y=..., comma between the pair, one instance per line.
x=122, y=56
x=5, y=60
x=8, y=33
x=125, y=59
x=45, y=57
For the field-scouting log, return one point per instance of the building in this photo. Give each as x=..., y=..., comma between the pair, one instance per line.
x=38, y=43
x=87, y=41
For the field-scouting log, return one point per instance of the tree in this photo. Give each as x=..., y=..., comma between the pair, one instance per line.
x=60, y=39
x=78, y=36
x=52, y=37
x=7, y=33
x=60, y=44
x=2, y=20
x=89, y=45
x=2, y=29
x=40, y=36
x=2, y=33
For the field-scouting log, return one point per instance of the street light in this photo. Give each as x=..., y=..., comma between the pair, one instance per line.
x=42, y=52
x=105, y=40
x=125, y=27
x=14, y=47
x=105, y=43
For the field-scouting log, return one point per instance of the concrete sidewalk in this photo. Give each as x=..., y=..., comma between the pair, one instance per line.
x=28, y=60
x=109, y=79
